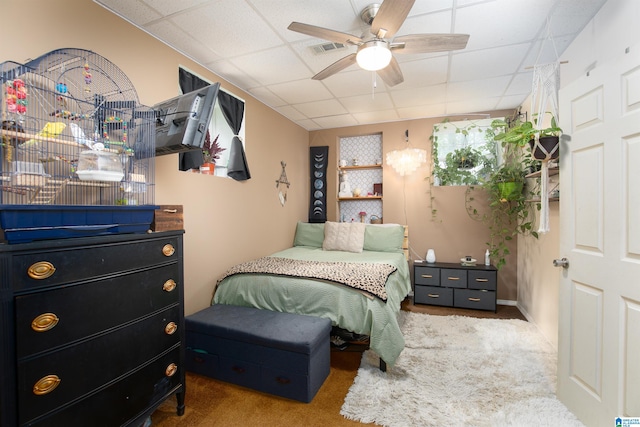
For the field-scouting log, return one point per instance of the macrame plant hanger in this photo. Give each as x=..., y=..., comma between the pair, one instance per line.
x=544, y=91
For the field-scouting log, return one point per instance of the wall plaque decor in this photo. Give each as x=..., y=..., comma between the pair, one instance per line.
x=318, y=157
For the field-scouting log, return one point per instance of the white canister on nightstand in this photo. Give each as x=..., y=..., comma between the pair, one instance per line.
x=431, y=256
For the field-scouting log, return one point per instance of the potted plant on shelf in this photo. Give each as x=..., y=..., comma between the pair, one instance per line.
x=543, y=142
x=210, y=152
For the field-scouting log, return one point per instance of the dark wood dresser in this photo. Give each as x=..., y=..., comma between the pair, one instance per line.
x=91, y=329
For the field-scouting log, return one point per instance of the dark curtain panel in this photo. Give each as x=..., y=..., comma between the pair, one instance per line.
x=189, y=83
x=233, y=110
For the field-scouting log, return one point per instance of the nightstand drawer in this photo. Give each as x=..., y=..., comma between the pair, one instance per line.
x=427, y=276
x=452, y=278
x=479, y=279
x=471, y=298
x=433, y=295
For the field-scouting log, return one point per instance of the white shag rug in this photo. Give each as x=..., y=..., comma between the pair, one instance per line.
x=461, y=371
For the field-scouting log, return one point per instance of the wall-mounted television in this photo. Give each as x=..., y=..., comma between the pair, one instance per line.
x=182, y=122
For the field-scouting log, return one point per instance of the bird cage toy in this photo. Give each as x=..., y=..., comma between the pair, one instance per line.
x=76, y=143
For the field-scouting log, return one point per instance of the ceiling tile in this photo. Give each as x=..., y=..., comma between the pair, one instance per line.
x=329, y=107
x=230, y=28
x=135, y=11
x=367, y=103
x=273, y=66
x=487, y=63
x=247, y=43
x=168, y=7
x=339, y=121
x=301, y=91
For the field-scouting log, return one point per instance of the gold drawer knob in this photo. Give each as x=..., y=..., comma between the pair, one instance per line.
x=168, y=249
x=44, y=322
x=41, y=270
x=171, y=328
x=169, y=285
x=46, y=385
x=171, y=370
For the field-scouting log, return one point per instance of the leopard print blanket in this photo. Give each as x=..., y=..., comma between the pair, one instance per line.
x=365, y=277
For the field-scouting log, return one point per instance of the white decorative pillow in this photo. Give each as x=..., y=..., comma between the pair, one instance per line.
x=343, y=236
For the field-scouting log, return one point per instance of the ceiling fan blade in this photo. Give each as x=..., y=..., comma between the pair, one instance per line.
x=337, y=66
x=325, y=33
x=425, y=43
x=391, y=74
x=390, y=17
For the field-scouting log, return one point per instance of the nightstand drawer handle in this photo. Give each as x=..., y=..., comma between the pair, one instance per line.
x=474, y=299
x=453, y=278
x=433, y=295
x=427, y=276
x=46, y=385
x=41, y=270
x=482, y=280
x=171, y=328
x=168, y=250
x=171, y=370
x=44, y=322
x=169, y=285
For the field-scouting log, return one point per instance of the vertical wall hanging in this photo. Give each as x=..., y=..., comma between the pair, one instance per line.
x=544, y=91
x=318, y=157
x=282, y=184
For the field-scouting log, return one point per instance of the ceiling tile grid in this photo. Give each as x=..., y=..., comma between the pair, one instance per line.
x=247, y=43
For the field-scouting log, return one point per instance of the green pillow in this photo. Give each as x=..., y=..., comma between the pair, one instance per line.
x=383, y=237
x=309, y=234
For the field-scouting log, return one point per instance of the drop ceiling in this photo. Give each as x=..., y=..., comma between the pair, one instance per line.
x=247, y=43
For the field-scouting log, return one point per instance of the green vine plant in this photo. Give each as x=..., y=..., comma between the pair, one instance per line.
x=510, y=211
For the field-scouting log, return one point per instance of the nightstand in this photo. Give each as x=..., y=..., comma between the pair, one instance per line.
x=455, y=285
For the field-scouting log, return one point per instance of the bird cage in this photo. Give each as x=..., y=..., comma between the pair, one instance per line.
x=74, y=139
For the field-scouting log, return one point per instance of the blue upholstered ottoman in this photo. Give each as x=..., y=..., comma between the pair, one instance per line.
x=279, y=353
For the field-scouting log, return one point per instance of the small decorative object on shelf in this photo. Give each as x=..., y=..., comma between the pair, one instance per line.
x=431, y=256
x=468, y=261
x=362, y=215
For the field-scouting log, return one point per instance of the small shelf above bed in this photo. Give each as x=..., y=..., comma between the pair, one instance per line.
x=360, y=198
x=346, y=168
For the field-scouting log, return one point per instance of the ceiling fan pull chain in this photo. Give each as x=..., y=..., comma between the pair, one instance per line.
x=374, y=84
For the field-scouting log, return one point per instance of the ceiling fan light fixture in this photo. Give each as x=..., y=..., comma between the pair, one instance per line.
x=373, y=55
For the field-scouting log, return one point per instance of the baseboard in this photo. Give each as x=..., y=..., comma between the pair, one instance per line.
x=507, y=302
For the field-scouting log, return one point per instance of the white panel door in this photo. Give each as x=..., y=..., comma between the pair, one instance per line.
x=599, y=322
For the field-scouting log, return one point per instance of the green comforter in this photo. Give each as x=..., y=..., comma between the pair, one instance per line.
x=346, y=307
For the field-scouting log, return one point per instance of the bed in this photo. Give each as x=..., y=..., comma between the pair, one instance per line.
x=341, y=246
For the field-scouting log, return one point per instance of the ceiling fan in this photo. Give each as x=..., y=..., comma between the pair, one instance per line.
x=375, y=52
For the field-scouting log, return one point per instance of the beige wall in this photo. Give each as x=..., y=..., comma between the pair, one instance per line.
x=225, y=221
x=451, y=233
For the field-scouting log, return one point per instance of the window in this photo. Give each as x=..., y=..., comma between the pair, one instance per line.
x=219, y=127
x=464, y=152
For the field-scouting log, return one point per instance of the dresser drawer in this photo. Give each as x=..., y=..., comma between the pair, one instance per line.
x=479, y=279
x=452, y=278
x=471, y=298
x=48, y=268
x=427, y=276
x=112, y=355
x=433, y=295
x=123, y=400
x=71, y=313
